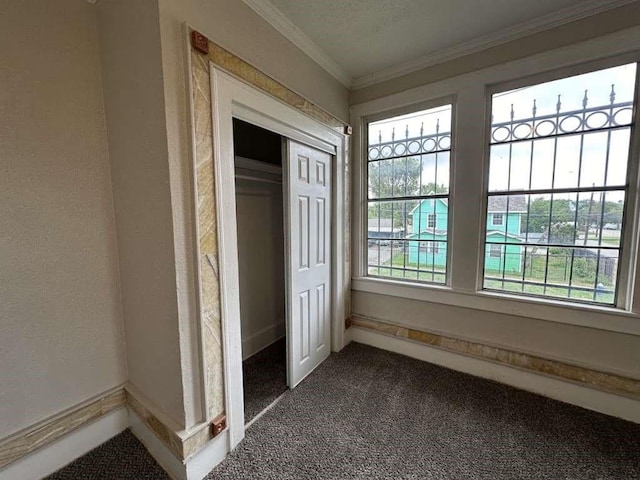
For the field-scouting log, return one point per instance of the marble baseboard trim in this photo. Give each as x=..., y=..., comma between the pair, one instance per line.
x=43, y=433
x=250, y=74
x=183, y=444
x=607, y=382
x=165, y=434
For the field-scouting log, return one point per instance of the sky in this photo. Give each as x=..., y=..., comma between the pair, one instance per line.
x=572, y=91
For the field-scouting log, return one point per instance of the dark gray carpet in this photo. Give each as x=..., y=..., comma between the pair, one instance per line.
x=121, y=458
x=264, y=377
x=367, y=413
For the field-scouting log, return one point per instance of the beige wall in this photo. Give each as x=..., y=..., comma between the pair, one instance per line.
x=134, y=104
x=590, y=27
x=61, y=339
x=517, y=328
x=233, y=25
x=612, y=352
x=261, y=264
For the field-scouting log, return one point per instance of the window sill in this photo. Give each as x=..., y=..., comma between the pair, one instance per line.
x=592, y=316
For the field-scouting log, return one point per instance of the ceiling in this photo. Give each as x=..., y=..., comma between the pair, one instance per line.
x=361, y=42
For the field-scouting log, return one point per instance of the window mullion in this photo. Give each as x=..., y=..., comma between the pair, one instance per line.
x=466, y=212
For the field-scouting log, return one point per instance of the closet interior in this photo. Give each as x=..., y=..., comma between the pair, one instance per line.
x=260, y=224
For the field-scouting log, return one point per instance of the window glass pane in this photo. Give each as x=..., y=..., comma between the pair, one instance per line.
x=618, y=156
x=557, y=186
x=408, y=186
x=542, y=164
x=567, y=160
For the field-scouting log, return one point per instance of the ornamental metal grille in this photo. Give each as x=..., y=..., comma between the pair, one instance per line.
x=558, y=184
x=408, y=191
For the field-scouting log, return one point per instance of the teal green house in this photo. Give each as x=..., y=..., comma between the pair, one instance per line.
x=429, y=222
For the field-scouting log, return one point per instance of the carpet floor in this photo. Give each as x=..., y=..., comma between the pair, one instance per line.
x=264, y=378
x=121, y=458
x=367, y=413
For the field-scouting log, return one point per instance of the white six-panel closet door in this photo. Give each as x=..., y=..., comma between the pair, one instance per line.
x=308, y=238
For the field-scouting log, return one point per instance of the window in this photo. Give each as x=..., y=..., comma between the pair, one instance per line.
x=429, y=247
x=408, y=190
x=495, y=251
x=558, y=170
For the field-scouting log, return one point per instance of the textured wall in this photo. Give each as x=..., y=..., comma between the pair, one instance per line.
x=612, y=352
x=61, y=339
x=134, y=105
x=516, y=328
x=261, y=263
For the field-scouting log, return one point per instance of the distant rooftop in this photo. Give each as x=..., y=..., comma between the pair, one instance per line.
x=516, y=203
x=497, y=204
x=382, y=225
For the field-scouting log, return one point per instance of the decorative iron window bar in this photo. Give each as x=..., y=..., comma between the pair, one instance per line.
x=422, y=145
x=563, y=123
x=588, y=120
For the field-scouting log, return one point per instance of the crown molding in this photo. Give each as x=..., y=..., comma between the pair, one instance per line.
x=290, y=31
x=567, y=15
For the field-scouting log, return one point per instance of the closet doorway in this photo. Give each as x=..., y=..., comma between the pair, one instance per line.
x=261, y=265
x=314, y=175
x=283, y=217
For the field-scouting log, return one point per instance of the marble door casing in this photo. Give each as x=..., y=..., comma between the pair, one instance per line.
x=208, y=239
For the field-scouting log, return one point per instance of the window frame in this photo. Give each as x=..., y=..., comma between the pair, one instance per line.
x=629, y=235
x=431, y=216
x=493, y=219
x=469, y=91
x=383, y=115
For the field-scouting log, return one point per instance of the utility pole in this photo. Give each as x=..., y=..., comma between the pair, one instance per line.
x=588, y=221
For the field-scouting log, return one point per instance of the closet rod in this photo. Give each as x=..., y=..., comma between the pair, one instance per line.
x=258, y=179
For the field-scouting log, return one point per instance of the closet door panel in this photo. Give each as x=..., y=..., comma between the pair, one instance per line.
x=308, y=240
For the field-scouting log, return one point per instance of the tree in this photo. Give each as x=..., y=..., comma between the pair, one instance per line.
x=561, y=233
x=540, y=210
x=591, y=210
x=397, y=178
x=394, y=178
x=562, y=224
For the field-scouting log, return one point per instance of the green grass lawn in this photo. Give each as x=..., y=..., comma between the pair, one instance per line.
x=558, y=273
x=555, y=291
x=396, y=269
x=612, y=241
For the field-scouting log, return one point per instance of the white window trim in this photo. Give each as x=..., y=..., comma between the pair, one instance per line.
x=467, y=197
x=493, y=219
x=435, y=220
